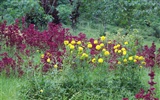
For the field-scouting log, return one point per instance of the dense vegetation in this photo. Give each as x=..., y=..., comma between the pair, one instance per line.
x=101, y=56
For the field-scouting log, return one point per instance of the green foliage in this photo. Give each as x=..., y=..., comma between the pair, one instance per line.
x=79, y=84
x=130, y=79
x=13, y=9
x=124, y=13
x=157, y=32
x=64, y=12
x=158, y=82
x=10, y=87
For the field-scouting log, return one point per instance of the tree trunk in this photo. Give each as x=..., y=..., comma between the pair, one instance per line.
x=75, y=14
x=47, y=6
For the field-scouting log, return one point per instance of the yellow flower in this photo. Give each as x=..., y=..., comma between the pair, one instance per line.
x=136, y=57
x=119, y=62
x=69, y=44
x=125, y=60
x=100, y=60
x=102, y=38
x=126, y=43
x=37, y=50
x=103, y=49
x=130, y=58
x=42, y=55
x=135, y=60
x=102, y=44
x=95, y=41
x=109, y=42
x=73, y=42
x=118, y=45
x=48, y=60
x=80, y=49
x=66, y=42
x=55, y=66
x=119, y=51
x=79, y=42
x=141, y=58
x=89, y=45
x=98, y=47
x=93, y=60
x=71, y=47
x=84, y=55
x=106, y=53
x=123, y=49
x=115, y=50
x=115, y=47
x=141, y=66
x=49, y=54
x=124, y=52
x=144, y=63
x=41, y=91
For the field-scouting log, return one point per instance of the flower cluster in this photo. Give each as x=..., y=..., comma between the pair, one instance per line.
x=103, y=50
x=50, y=40
x=9, y=65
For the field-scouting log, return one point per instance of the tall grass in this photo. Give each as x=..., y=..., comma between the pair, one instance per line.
x=157, y=80
x=10, y=87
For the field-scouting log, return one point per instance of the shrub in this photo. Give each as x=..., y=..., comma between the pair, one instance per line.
x=13, y=9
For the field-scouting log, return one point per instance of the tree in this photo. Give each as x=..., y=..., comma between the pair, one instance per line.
x=49, y=7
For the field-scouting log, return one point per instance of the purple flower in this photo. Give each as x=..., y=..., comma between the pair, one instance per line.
x=151, y=83
x=151, y=74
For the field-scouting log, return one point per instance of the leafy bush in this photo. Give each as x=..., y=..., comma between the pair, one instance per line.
x=64, y=12
x=157, y=32
x=13, y=9
x=123, y=13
